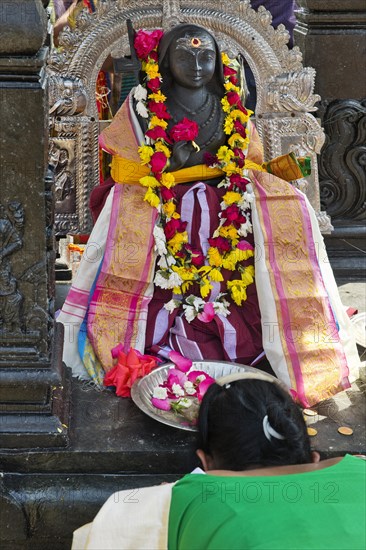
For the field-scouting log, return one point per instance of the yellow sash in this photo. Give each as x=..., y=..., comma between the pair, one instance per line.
x=129, y=171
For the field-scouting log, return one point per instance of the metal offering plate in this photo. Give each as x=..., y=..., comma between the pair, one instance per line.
x=142, y=390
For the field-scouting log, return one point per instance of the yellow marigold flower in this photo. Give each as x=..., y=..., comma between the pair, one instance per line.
x=145, y=153
x=230, y=87
x=167, y=179
x=248, y=274
x=155, y=121
x=186, y=273
x=231, y=168
x=231, y=197
x=159, y=146
x=175, y=244
x=225, y=58
x=149, y=181
x=214, y=257
x=224, y=154
x=228, y=125
x=205, y=287
x=176, y=216
x=236, y=140
x=225, y=105
x=159, y=97
x=237, y=290
x=152, y=70
x=152, y=198
x=236, y=113
x=230, y=261
x=185, y=287
x=169, y=208
x=229, y=232
x=216, y=275
x=178, y=290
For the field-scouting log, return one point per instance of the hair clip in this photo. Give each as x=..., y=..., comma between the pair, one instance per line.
x=270, y=432
x=227, y=386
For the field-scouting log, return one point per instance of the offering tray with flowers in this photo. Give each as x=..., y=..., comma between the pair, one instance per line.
x=172, y=396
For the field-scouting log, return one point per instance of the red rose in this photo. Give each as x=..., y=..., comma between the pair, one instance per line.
x=153, y=56
x=239, y=128
x=233, y=216
x=196, y=256
x=240, y=182
x=233, y=80
x=158, y=162
x=187, y=130
x=146, y=41
x=233, y=98
x=154, y=85
x=159, y=109
x=240, y=157
x=167, y=194
x=228, y=71
x=158, y=133
x=172, y=227
x=209, y=159
x=220, y=243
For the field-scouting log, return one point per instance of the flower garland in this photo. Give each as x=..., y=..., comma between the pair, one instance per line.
x=180, y=264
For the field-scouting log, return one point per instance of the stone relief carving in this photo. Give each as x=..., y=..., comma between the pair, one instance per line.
x=344, y=154
x=11, y=240
x=283, y=85
x=61, y=161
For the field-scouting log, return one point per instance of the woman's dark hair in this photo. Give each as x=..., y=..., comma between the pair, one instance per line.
x=217, y=83
x=230, y=426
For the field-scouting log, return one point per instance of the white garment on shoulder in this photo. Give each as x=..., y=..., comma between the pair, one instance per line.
x=129, y=520
x=72, y=314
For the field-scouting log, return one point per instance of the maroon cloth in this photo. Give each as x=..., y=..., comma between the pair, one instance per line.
x=98, y=196
x=210, y=339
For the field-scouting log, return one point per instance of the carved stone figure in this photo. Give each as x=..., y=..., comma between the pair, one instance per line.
x=170, y=263
x=11, y=299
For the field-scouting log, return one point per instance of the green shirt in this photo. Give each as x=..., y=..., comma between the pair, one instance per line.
x=311, y=510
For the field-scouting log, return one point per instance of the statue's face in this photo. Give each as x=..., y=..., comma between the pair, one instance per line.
x=193, y=59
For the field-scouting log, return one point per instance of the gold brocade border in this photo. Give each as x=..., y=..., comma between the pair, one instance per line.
x=310, y=330
x=125, y=276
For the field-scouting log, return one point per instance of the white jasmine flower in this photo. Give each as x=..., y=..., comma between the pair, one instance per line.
x=198, y=303
x=245, y=228
x=200, y=378
x=222, y=308
x=140, y=93
x=246, y=200
x=189, y=313
x=160, y=240
x=189, y=388
x=177, y=390
x=175, y=279
x=165, y=282
x=160, y=393
x=141, y=109
x=185, y=403
x=172, y=305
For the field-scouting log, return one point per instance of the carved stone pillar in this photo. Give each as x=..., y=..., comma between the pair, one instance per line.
x=33, y=404
x=332, y=39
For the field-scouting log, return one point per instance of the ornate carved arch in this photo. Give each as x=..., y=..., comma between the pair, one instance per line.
x=284, y=87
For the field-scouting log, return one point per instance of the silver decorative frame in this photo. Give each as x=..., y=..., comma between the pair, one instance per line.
x=285, y=96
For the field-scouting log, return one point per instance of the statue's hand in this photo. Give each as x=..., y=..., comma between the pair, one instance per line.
x=180, y=154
